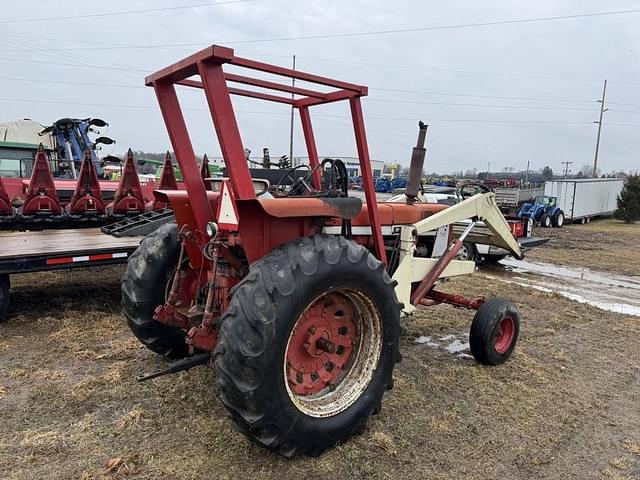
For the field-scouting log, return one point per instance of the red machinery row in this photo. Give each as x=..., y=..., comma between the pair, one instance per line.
x=44, y=198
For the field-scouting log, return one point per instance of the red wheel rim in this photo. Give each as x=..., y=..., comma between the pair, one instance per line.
x=504, y=335
x=321, y=344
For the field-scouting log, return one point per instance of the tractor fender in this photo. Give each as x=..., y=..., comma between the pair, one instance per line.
x=347, y=208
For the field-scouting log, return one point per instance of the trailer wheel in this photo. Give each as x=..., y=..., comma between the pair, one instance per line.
x=545, y=220
x=308, y=344
x=468, y=251
x=5, y=298
x=558, y=219
x=494, y=331
x=144, y=287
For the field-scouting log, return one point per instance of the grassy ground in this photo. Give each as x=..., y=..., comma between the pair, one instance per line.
x=566, y=406
x=607, y=245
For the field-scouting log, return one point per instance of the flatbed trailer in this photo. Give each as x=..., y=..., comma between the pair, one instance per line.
x=38, y=251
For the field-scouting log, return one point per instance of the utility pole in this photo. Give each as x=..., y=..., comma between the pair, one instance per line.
x=566, y=168
x=526, y=175
x=293, y=84
x=599, y=122
x=488, y=169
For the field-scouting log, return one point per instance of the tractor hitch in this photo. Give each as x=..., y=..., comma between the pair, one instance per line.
x=178, y=366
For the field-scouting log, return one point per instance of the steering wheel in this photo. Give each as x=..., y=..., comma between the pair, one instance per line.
x=464, y=193
x=297, y=185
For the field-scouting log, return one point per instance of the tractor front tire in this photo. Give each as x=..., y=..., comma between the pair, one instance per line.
x=5, y=298
x=557, y=220
x=144, y=287
x=308, y=345
x=494, y=331
x=545, y=220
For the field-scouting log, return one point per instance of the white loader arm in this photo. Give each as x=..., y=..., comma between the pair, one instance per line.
x=481, y=207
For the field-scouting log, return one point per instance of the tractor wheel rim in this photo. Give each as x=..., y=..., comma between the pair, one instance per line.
x=504, y=335
x=560, y=220
x=332, y=352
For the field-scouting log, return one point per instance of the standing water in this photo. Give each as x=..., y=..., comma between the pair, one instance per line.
x=607, y=291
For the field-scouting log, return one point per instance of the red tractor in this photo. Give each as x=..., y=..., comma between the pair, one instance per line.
x=295, y=297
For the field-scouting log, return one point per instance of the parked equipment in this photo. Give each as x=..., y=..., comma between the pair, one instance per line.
x=45, y=201
x=544, y=211
x=296, y=299
x=583, y=199
x=512, y=198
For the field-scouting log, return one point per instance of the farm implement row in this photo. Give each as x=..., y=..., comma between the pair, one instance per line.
x=44, y=201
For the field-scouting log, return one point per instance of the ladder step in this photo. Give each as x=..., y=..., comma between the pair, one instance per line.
x=139, y=225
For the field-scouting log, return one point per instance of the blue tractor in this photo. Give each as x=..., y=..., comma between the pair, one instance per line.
x=383, y=185
x=544, y=210
x=72, y=139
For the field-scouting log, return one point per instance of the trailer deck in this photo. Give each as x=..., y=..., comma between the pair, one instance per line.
x=53, y=249
x=36, y=251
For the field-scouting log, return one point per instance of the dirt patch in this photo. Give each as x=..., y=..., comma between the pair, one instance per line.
x=607, y=244
x=566, y=406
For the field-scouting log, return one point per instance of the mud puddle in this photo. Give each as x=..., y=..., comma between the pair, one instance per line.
x=607, y=291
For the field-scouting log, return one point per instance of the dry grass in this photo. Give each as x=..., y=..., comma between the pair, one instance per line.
x=605, y=245
x=633, y=447
x=131, y=420
x=565, y=406
x=385, y=442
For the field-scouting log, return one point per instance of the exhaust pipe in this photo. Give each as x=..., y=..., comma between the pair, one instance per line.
x=417, y=163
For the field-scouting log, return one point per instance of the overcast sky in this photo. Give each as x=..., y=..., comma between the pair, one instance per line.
x=554, y=69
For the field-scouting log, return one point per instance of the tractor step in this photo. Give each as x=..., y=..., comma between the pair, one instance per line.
x=178, y=366
x=142, y=224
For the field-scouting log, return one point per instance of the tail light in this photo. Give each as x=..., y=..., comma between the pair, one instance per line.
x=517, y=229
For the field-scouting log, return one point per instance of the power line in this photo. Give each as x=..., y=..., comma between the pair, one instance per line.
x=371, y=99
x=446, y=27
x=120, y=13
x=451, y=70
x=412, y=137
x=63, y=82
x=66, y=56
x=455, y=120
x=98, y=67
x=502, y=97
x=622, y=110
x=346, y=34
x=524, y=107
x=115, y=85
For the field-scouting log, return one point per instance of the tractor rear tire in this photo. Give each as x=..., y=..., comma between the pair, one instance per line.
x=494, y=331
x=144, y=287
x=557, y=220
x=5, y=297
x=282, y=389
